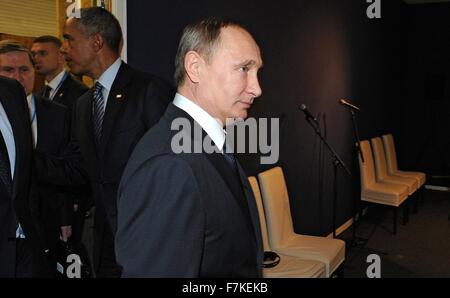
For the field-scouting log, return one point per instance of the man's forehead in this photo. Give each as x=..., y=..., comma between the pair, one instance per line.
x=11, y=57
x=44, y=45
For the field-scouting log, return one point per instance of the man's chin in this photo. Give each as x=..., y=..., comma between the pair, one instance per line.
x=236, y=118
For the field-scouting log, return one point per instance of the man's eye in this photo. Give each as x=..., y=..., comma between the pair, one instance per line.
x=244, y=69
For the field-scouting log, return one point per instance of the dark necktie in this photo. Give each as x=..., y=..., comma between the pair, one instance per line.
x=99, y=111
x=46, y=92
x=228, y=154
x=5, y=166
x=231, y=160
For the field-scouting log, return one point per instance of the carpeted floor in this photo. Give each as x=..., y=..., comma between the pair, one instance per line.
x=421, y=248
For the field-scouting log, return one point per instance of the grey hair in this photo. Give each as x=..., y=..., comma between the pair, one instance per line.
x=8, y=46
x=202, y=37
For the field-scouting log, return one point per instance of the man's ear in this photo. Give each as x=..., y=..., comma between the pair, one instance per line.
x=97, y=42
x=192, y=64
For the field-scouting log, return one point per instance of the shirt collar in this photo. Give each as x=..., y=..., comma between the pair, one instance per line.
x=211, y=126
x=56, y=80
x=108, y=77
x=30, y=99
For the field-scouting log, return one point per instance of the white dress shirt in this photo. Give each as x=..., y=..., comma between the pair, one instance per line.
x=33, y=117
x=56, y=83
x=210, y=125
x=107, y=79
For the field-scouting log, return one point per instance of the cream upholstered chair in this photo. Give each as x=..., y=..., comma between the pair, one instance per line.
x=289, y=266
x=392, y=166
x=382, y=172
x=379, y=192
x=282, y=237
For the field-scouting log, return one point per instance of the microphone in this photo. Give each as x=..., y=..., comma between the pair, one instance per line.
x=346, y=103
x=307, y=113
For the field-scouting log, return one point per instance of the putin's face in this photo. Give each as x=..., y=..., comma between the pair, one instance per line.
x=229, y=81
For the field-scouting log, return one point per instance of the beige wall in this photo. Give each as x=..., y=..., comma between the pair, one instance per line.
x=28, y=17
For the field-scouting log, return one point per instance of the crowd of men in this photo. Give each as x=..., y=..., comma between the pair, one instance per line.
x=157, y=213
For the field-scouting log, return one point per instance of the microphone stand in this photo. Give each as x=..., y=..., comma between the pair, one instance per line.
x=354, y=241
x=337, y=161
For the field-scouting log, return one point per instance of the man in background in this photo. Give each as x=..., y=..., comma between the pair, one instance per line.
x=107, y=122
x=21, y=251
x=50, y=132
x=63, y=88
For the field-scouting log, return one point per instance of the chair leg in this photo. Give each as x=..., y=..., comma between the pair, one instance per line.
x=416, y=203
x=395, y=221
x=405, y=212
x=422, y=196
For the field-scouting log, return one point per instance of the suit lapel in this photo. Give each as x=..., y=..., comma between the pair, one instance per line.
x=251, y=201
x=39, y=120
x=86, y=120
x=116, y=98
x=62, y=91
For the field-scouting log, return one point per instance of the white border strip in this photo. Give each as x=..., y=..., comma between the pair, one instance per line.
x=119, y=9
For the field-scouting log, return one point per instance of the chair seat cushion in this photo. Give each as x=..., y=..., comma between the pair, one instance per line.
x=385, y=193
x=329, y=251
x=293, y=267
x=421, y=177
x=409, y=182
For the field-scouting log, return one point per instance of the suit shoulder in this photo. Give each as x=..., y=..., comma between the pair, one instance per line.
x=75, y=85
x=147, y=78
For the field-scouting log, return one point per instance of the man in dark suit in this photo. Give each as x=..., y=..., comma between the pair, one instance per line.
x=50, y=131
x=107, y=122
x=63, y=88
x=21, y=251
x=185, y=212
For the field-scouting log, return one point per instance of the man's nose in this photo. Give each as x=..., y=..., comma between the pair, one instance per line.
x=254, y=87
x=16, y=75
x=63, y=48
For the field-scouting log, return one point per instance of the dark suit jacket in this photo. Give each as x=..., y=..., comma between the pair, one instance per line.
x=16, y=207
x=67, y=95
x=135, y=103
x=52, y=209
x=185, y=215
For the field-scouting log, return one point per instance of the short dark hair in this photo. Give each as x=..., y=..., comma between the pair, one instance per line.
x=8, y=46
x=203, y=37
x=99, y=20
x=48, y=39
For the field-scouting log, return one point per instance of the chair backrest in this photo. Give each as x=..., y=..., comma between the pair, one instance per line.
x=262, y=217
x=276, y=202
x=391, y=155
x=380, y=158
x=366, y=168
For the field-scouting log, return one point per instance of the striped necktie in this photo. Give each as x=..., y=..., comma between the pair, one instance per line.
x=98, y=111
